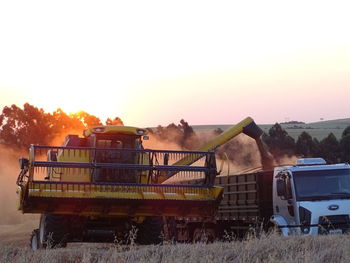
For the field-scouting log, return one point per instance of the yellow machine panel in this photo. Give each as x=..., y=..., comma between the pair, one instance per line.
x=72, y=175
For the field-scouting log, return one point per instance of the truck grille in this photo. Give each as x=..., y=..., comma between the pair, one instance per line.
x=333, y=224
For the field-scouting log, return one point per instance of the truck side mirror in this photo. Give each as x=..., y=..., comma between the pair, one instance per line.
x=281, y=187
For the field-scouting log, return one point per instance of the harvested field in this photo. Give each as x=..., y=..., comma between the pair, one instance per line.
x=272, y=248
x=319, y=130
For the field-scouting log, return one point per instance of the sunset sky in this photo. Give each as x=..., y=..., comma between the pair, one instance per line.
x=156, y=62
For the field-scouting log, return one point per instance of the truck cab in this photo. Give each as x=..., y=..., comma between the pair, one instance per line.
x=311, y=198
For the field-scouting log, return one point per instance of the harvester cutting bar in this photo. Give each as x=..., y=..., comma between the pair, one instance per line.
x=120, y=199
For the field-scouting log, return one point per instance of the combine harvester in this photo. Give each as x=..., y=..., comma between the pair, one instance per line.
x=99, y=187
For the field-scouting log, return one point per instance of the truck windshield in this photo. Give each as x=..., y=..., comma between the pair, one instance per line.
x=322, y=184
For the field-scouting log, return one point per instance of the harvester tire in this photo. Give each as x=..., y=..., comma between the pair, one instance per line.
x=204, y=235
x=150, y=231
x=34, y=240
x=52, y=231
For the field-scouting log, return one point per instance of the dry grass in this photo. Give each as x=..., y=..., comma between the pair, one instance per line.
x=271, y=248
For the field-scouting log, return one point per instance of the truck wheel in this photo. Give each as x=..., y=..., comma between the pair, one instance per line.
x=150, y=231
x=34, y=240
x=52, y=231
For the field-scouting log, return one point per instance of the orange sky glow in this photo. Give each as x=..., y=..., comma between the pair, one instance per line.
x=156, y=62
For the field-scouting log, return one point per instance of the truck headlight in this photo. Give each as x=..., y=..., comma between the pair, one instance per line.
x=99, y=129
x=305, y=230
x=305, y=219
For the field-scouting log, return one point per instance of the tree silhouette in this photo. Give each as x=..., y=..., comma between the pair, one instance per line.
x=217, y=131
x=86, y=119
x=181, y=134
x=279, y=142
x=21, y=127
x=344, y=145
x=346, y=131
x=305, y=145
x=115, y=121
x=329, y=149
x=189, y=139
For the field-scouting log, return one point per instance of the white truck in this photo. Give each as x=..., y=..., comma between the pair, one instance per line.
x=309, y=198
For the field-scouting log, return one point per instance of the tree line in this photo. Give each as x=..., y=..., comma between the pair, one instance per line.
x=281, y=143
x=20, y=127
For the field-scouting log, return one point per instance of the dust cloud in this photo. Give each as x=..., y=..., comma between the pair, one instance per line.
x=59, y=139
x=12, y=220
x=239, y=155
x=158, y=144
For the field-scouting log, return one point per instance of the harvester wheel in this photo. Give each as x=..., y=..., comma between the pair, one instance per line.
x=150, y=231
x=34, y=240
x=52, y=231
x=203, y=235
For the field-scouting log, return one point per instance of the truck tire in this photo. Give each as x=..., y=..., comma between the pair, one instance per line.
x=34, y=240
x=52, y=231
x=150, y=231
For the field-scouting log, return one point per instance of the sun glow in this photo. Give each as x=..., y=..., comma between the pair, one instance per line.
x=156, y=62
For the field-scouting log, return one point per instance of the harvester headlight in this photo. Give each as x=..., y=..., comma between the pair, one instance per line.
x=141, y=131
x=99, y=129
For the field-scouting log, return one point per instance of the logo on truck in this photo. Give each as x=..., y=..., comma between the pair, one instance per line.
x=333, y=207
